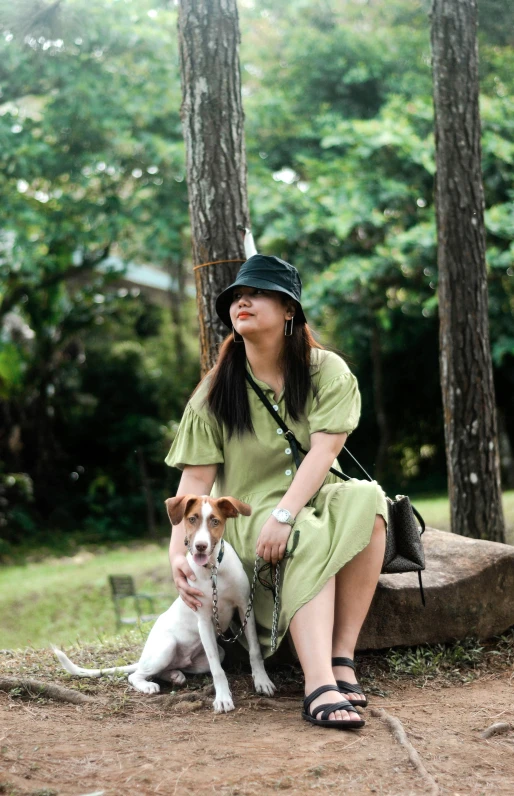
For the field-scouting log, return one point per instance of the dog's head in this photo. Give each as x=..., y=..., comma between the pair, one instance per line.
x=204, y=521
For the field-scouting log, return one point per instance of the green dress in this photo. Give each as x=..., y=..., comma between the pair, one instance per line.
x=258, y=469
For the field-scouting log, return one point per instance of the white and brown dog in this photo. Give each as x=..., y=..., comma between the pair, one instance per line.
x=182, y=640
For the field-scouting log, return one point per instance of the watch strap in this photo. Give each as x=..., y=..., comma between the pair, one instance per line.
x=290, y=521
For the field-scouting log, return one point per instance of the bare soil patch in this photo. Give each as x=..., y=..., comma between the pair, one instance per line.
x=126, y=743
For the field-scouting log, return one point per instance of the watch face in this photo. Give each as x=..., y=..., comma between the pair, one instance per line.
x=282, y=515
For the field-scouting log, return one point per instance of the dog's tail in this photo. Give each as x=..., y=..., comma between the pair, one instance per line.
x=78, y=671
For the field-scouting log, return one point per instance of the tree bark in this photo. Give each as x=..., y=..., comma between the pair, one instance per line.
x=466, y=369
x=213, y=123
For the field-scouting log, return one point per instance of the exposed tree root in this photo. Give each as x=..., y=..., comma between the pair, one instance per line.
x=38, y=688
x=496, y=729
x=184, y=701
x=282, y=703
x=190, y=707
x=183, y=698
x=399, y=734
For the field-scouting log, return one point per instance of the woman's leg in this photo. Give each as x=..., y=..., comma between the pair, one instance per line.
x=354, y=589
x=312, y=631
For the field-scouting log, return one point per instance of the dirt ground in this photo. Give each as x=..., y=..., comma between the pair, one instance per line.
x=127, y=743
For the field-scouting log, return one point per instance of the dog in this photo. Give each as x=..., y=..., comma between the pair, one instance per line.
x=183, y=641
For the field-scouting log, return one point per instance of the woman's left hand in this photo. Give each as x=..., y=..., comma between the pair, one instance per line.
x=272, y=541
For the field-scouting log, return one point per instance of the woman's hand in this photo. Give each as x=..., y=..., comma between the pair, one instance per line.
x=181, y=571
x=272, y=541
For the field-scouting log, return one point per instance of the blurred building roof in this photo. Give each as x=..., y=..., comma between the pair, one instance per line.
x=154, y=281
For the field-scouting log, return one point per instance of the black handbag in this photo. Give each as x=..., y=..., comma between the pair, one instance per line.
x=404, y=547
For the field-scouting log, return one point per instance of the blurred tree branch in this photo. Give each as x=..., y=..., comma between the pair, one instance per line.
x=20, y=288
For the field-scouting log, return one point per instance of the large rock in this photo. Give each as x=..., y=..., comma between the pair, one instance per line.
x=469, y=591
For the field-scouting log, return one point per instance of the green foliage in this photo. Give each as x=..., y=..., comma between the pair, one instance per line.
x=16, y=496
x=11, y=369
x=91, y=165
x=430, y=660
x=341, y=149
x=459, y=660
x=339, y=133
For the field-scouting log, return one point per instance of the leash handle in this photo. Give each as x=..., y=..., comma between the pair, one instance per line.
x=295, y=445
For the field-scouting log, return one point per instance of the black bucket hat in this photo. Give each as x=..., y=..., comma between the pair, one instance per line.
x=268, y=272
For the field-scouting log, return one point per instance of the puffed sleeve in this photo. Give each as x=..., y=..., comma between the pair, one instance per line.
x=197, y=441
x=337, y=406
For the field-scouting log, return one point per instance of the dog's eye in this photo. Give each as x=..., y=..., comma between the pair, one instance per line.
x=192, y=520
x=215, y=521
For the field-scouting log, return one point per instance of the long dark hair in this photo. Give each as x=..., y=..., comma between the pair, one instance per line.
x=228, y=397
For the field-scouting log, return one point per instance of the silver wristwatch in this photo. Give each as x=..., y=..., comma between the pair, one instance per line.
x=283, y=515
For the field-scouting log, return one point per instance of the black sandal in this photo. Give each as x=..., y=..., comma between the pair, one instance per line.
x=339, y=724
x=349, y=688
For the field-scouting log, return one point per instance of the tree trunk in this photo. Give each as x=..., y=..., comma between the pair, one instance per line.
x=213, y=119
x=466, y=370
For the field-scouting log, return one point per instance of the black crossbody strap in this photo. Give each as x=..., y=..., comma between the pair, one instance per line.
x=295, y=445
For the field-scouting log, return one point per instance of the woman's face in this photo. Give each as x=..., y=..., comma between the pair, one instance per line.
x=254, y=311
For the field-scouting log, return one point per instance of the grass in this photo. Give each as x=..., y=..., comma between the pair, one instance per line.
x=444, y=664
x=67, y=601
x=457, y=662
x=435, y=510
x=468, y=657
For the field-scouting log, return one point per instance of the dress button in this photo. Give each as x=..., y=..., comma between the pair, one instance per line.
x=288, y=451
x=275, y=407
x=279, y=431
x=288, y=472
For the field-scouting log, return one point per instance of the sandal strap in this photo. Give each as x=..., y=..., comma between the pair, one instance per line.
x=349, y=688
x=323, y=689
x=331, y=708
x=343, y=662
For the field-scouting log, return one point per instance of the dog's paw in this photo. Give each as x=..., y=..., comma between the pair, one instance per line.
x=145, y=686
x=263, y=684
x=223, y=704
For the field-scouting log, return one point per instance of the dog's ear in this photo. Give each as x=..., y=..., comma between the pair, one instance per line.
x=177, y=507
x=231, y=507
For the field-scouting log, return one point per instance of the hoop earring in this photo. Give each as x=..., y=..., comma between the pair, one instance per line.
x=238, y=335
x=290, y=332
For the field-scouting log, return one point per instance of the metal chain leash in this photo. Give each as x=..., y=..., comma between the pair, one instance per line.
x=215, y=614
x=276, y=606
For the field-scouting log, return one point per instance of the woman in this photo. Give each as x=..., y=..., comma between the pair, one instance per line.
x=229, y=443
